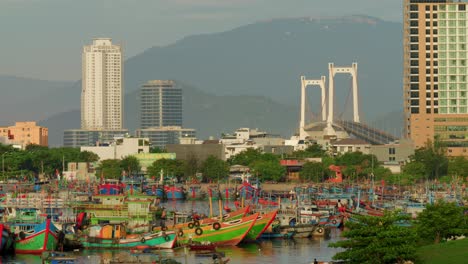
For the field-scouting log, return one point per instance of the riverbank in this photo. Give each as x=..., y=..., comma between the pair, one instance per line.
x=444, y=253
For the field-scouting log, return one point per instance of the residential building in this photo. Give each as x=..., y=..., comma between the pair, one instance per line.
x=161, y=104
x=435, y=73
x=248, y=138
x=25, y=133
x=396, y=152
x=102, y=92
x=162, y=136
x=83, y=171
x=343, y=146
x=79, y=137
x=119, y=148
x=200, y=152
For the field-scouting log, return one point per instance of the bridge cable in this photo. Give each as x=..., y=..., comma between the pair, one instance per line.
x=340, y=116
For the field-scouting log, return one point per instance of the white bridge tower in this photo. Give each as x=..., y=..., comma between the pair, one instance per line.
x=304, y=84
x=332, y=70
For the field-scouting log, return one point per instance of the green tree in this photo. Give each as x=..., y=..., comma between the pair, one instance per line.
x=214, y=168
x=312, y=171
x=191, y=165
x=131, y=165
x=377, y=240
x=246, y=157
x=432, y=155
x=458, y=166
x=88, y=156
x=416, y=169
x=110, y=168
x=440, y=221
x=313, y=151
x=268, y=170
x=169, y=167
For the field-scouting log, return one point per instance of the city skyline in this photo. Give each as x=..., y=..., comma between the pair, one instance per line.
x=50, y=26
x=102, y=88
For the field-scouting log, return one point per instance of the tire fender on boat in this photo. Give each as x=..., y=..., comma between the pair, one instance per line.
x=334, y=221
x=320, y=230
x=143, y=240
x=180, y=233
x=190, y=225
x=199, y=231
x=196, y=223
x=167, y=238
x=216, y=226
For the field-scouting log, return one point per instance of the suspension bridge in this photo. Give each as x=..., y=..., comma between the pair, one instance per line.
x=329, y=125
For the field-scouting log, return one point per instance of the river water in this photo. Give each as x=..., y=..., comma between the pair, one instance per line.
x=300, y=251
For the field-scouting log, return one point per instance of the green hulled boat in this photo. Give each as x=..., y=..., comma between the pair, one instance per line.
x=262, y=223
x=227, y=233
x=115, y=236
x=43, y=238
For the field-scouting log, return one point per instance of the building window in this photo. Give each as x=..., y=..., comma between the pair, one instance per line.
x=391, y=151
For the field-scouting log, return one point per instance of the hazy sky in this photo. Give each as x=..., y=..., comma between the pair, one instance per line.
x=43, y=38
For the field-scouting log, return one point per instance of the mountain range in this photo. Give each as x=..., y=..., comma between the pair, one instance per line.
x=245, y=77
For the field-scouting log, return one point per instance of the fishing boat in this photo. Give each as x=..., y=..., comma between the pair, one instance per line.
x=180, y=220
x=115, y=236
x=7, y=241
x=228, y=233
x=43, y=237
x=174, y=192
x=262, y=224
x=195, y=192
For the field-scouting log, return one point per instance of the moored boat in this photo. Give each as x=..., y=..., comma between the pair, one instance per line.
x=115, y=236
x=44, y=237
x=262, y=224
x=7, y=241
x=226, y=233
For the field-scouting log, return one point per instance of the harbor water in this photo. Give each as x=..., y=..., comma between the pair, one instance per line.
x=298, y=251
x=303, y=250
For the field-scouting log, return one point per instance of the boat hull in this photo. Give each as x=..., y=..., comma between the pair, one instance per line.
x=151, y=241
x=229, y=234
x=42, y=240
x=262, y=223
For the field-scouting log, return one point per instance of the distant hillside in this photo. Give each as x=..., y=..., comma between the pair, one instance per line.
x=23, y=99
x=267, y=58
x=210, y=115
x=248, y=76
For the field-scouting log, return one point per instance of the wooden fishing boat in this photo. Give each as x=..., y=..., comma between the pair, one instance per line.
x=262, y=224
x=115, y=236
x=238, y=214
x=174, y=192
x=43, y=237
x=226, y=233
x=7, y=241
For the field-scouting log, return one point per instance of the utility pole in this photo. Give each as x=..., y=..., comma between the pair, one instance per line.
x=3, y=165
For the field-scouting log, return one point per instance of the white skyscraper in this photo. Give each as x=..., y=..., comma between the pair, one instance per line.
x=102, y=93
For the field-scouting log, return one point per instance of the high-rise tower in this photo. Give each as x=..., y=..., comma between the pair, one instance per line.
x=161, y=104
x=435, y=71
x=101, y=97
